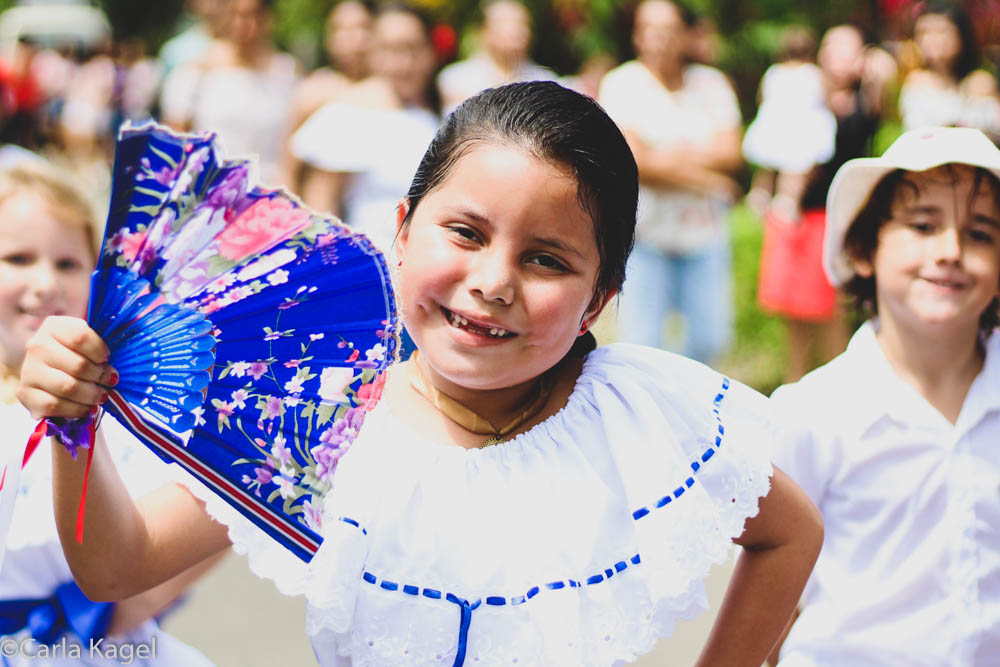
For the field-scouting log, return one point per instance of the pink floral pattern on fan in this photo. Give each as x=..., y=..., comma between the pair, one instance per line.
x=257, y=228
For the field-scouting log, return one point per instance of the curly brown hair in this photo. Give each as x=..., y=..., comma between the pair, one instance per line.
x=861, y=240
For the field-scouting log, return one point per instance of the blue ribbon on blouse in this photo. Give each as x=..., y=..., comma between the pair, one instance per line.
x=68, y=609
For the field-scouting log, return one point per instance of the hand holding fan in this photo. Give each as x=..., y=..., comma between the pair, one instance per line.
x=250, y=333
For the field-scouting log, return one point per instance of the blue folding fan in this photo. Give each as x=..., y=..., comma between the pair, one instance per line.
x=250, y=333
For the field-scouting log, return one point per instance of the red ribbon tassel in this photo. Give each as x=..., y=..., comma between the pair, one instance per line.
x=86, y=476
x=36, y=437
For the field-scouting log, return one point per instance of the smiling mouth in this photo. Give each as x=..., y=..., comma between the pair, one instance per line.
x=947, y=284
x=459, y=322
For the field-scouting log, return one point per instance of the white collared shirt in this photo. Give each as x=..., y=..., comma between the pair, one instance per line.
x=909, y=573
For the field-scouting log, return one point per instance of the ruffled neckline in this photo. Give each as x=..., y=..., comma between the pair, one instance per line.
x=591, y=365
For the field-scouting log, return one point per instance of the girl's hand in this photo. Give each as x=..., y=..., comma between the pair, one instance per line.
x=64, y=367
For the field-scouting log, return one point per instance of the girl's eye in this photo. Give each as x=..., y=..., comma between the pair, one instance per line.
x=548, y=262
x=982, y=235
x=68, y=265
x=19, y=259
x=921, y=226
x=465, y=233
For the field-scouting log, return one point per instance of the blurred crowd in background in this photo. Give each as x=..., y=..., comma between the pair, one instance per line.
x=737, y=117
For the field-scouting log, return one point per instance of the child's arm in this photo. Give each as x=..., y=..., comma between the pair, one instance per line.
x=780, y=546
x=128, y=546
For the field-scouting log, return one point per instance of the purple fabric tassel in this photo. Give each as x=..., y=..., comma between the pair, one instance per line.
x=71, y=433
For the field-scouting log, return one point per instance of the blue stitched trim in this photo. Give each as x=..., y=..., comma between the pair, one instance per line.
x=353, y=523
x=500, y=600
x=695, y=465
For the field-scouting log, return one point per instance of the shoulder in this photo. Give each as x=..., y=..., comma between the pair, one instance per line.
x=629, y=71
x=920, y=78
x=664, y=392
x=460, y=72
x=283, y=65
x=623, y=85
x=979, y=83
x=812, y=394
x=706, y=76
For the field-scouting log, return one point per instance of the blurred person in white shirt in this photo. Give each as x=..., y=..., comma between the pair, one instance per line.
x=683, y=124
x=506, y=37
x=239, y=88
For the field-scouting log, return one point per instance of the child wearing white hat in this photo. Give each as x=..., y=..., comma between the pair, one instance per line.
x=897, y=440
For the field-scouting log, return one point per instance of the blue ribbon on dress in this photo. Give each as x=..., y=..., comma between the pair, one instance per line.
x=49, y=618
x=463, y=626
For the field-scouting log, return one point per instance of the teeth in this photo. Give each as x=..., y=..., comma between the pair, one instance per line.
x=459, y=321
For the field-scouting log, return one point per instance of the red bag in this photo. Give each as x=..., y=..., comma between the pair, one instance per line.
x=792, y=282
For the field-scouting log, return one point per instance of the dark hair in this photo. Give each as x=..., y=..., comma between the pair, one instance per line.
x=969, y=57
x=861, y=240
x=431, y=93
x=559, y=125
x=797, y=42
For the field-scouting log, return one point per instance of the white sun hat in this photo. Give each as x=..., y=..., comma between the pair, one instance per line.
x=916, y=150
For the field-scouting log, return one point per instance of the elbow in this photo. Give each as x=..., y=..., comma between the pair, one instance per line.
x=100, y=585
x=96, y=590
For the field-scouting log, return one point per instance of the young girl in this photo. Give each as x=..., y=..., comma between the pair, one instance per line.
x=518, y=497
x=897, y=437
x=46, y=255
x=794, y=129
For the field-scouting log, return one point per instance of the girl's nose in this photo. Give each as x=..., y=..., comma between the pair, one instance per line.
x=491, y=279
x=948, y=245
x=45, y=279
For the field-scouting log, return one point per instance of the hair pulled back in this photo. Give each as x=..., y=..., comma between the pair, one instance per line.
x=554, y=124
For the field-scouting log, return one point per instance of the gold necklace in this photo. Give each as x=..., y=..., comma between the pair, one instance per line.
x=472, y=421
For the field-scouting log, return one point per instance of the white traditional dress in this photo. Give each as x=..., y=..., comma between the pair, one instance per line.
x=35, y=581
x=579, y=542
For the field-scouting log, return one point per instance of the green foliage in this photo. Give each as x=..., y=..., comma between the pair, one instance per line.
x=757, y=357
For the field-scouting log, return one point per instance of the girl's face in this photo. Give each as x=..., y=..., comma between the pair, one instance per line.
x=403, y=55
x=349, y=38
x=45, y=266
x=498, y=269
x=659, y=34
x=937, y=263
x=938, y=40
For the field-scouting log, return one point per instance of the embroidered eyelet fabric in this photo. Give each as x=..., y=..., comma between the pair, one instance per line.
x=579, y=542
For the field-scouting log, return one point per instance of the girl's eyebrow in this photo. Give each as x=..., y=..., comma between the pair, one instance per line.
x=558, y=245
x=468, y=213
x=985, y=219
x=928, y=208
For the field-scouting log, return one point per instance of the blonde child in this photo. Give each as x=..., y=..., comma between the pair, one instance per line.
x=897, y=437
x=47, y=237
x=574, y=534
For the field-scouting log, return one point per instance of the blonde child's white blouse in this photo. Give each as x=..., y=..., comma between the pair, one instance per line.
x=909, y=573
x=577, y=543
x=34, y=564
